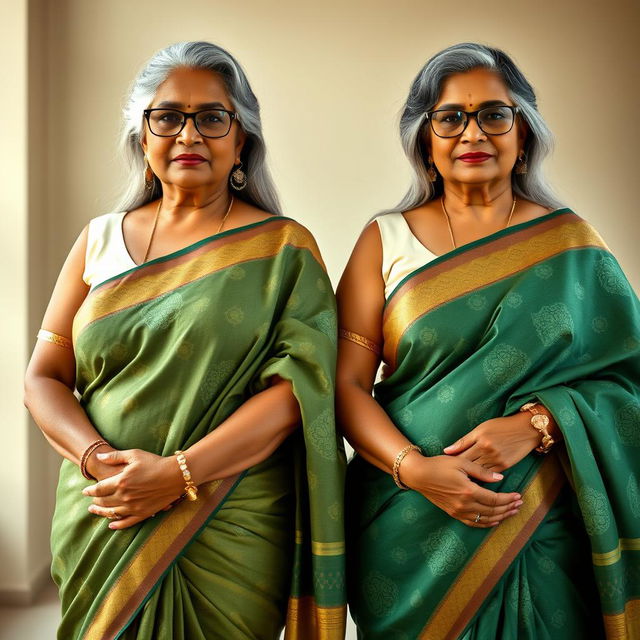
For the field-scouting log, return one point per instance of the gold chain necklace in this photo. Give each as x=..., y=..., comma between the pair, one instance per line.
x=155, y=224
x=446, y=215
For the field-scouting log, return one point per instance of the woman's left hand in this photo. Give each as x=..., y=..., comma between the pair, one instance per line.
x=147, y=484
x=499, y=443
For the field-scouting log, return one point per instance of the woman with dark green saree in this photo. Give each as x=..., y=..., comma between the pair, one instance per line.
x=201, y=495
x=494, y=494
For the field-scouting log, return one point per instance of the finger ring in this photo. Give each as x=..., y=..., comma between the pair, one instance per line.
x=477, y=518
x=113, y=515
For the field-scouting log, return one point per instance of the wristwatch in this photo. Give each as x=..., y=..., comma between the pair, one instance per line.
x=540, y=422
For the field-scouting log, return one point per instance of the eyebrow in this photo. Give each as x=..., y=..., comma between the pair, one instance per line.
x=177, y=105
x=482, y=105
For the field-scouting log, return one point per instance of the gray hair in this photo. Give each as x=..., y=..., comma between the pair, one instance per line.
x=423, y=96
x=260, y=190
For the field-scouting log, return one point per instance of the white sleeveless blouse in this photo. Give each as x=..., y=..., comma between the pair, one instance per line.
x=402, y=252
x=107, y=254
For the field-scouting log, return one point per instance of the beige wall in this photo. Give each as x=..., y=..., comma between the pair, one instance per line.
x=331, y=80
x=26, y=469
x=13, y=288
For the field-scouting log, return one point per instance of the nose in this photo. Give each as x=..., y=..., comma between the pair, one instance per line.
x=189, y=134
x=473, y=132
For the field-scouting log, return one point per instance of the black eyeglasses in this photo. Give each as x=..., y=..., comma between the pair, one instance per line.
x=210, y=123
x=494, y=121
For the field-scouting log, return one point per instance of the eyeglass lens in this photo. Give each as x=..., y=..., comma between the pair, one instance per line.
x=492, y=120
x=212, y=123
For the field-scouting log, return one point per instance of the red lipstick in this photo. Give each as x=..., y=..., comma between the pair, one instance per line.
x=189, y=159
x=474, y=157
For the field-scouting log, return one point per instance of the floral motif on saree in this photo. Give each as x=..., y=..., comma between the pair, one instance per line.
x=166, y=352
x=540, y=311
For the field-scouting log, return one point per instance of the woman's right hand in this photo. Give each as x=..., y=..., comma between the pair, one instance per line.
x=447, y=482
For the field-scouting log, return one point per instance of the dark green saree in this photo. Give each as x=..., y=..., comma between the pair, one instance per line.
x=541, y=310
x=165, y=352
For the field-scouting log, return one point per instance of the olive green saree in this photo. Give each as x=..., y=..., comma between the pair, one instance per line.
x=541, y=310
x=165, y=352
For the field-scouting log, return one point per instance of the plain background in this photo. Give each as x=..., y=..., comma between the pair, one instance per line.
x=331, y=78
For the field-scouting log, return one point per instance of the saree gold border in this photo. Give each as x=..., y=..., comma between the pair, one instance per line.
x=307, y=621
x=626, y=625
x=214, y=257
x=143, y=562
x=479, y=272
x=322, y=548
x=327, y=548
x=611, y=557
x=494, y=555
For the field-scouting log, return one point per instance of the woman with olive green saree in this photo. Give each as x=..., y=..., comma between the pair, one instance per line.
x=537, y=311
x=165, y=352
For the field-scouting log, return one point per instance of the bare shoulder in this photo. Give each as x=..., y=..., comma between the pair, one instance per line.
x=431, y=212
x=69, y=291
x=426, y=218
x=140, y=218
x=367, y=252
x=363, y=272
x=245, y=213
x=526, y=210
x=360, y=292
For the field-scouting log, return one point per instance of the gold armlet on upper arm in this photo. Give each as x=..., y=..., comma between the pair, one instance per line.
x=49, y=336
x=361, y=340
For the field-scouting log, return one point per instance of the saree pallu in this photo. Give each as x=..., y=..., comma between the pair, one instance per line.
x=538, y=311
x=166, y=352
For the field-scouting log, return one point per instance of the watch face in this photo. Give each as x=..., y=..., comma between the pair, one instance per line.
x=540, y=421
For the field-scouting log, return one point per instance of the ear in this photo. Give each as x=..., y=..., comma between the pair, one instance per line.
x=241, y=138
x=523, y=131
x=425, y=148
x=425, y=135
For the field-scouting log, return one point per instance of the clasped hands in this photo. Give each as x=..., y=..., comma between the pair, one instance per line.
x=133, y=485
x=450, y=481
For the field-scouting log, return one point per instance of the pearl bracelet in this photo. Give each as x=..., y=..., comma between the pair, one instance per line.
x=190, y=489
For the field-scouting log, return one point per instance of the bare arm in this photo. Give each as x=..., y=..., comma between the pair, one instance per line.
x=50, y=376
x=368, y=428
x=142, y=481
x=360, y=303
x=249, y=436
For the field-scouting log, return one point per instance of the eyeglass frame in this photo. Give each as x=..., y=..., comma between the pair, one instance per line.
x=473, y=114
x=189, y=116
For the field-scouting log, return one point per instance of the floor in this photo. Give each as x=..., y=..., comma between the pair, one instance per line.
x=40, y=620
x=37, y=622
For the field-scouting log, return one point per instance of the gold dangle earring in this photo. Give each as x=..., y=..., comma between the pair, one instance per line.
x=521, y=165
x=238, y=178
x=148, y=175
x=432, y=174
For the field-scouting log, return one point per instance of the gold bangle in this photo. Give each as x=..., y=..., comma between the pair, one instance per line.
x=190, y=489
x=360, y=340
x=540, y=422
x=395, y=472
x=55, y=338
x=85, y=457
